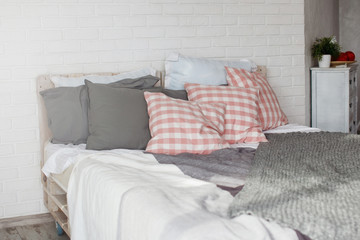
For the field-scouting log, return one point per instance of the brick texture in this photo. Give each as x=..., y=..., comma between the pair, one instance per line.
x=39, y=37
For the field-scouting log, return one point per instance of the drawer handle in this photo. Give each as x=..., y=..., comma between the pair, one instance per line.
x=350, y=128
x=350, y=105
x=354, y=79
x=350, y=81
x=354, y=122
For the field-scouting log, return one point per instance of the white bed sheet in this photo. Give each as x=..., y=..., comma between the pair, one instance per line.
x=133, y=197
x=58, y=157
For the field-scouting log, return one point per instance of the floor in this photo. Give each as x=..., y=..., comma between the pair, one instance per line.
x=46, y=231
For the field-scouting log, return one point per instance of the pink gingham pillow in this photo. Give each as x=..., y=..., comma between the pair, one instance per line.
x=242, y=106
x=271, y=115
x=179, y=126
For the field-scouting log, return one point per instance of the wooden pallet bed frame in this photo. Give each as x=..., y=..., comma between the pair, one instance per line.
x=54, y=194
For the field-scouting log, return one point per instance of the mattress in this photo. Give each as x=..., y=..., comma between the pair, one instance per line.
x=60, y=158
x=61, y=179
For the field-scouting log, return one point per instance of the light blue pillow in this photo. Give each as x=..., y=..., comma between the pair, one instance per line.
x=181, y=69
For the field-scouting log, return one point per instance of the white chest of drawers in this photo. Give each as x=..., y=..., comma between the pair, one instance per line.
x=334, y=100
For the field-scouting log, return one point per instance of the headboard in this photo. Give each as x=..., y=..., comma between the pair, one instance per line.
x=44, y=82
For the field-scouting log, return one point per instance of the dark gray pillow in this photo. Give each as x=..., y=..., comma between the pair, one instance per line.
x=145, y=82
x=117, y=117
x=67, y=109
x=179, y=94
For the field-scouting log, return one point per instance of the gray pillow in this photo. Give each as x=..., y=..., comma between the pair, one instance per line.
x=67, y=109
x=117, y=117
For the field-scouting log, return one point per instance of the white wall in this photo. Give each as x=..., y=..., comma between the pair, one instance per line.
x=63, y=36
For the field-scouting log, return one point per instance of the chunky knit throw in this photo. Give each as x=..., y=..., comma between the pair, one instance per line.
x=306, y=181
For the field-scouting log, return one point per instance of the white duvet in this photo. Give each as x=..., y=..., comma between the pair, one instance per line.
x=132, y=197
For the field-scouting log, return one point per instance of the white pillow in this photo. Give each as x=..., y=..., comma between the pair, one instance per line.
x=78, y=81
x=181, y=69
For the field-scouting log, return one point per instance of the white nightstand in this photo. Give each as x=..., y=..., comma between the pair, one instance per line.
x=334, y=99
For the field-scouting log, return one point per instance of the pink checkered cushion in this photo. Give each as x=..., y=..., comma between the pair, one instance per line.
x=179, y=126
x=241, y=118
x=271, y=115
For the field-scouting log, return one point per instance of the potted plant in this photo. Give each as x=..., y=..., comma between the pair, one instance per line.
x=324, y=49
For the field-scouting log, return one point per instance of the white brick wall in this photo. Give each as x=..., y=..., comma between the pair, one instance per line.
x=63, y=36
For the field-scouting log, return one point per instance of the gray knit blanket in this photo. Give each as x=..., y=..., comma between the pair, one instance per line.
x=306, y=181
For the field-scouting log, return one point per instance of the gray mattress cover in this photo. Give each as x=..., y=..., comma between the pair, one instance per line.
x=227, y=168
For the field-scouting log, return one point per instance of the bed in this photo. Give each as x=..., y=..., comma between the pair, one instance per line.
x=195, y=205
x=55, y=184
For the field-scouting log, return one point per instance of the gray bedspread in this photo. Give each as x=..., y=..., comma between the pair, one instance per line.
x=306, y=181
x=227, y=168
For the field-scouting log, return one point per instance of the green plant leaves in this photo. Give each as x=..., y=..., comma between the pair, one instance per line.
x=325, y=45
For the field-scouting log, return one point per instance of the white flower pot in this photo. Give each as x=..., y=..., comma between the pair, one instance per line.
x=325, y=61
